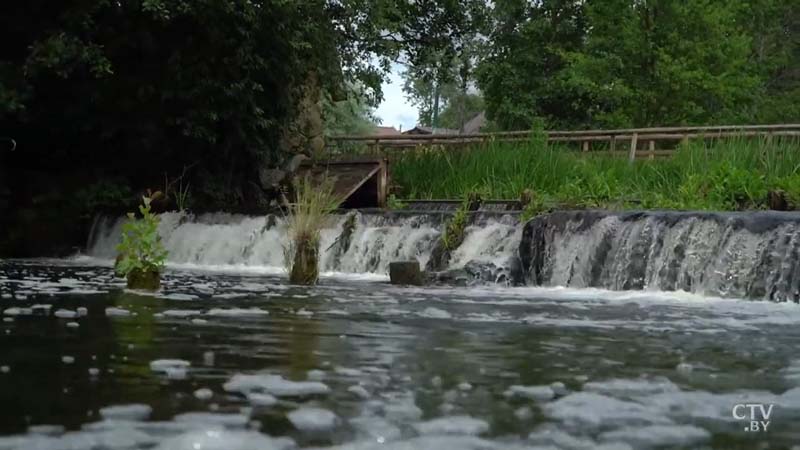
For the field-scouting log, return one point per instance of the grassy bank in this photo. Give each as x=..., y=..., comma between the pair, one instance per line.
x=727, y=175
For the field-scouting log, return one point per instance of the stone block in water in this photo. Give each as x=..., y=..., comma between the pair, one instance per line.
x=144, y=279
x=406, y=272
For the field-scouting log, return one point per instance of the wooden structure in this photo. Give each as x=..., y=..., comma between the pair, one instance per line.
x=362, y=183
x=633, y=142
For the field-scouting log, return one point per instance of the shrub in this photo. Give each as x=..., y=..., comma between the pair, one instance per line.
x=141, y=249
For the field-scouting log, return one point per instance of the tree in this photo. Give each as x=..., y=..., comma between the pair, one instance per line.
x=436, y=75
x=519, y=77
x=663, y=62
x=460, y=109
x=775, y=29
x=95, y=91
x=353, y=115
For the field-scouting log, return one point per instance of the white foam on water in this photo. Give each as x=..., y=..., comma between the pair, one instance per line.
x=587, y=409
x=220, y=439
x=65, y=314
x=259, y=399
x=234, y=421
x=435, y=313
x=126, y=412
x=178, y=296
x=168, y=366
x=236, y=312
x=117, y=312
x=681, y=436
x=537, y=393
x=359, y=391
x=375, y=428
x=181, y=312
x=275, y=385
x=313, y=420
x=458, y=425
x=203, y=394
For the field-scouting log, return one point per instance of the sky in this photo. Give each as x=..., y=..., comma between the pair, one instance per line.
x=395, y=110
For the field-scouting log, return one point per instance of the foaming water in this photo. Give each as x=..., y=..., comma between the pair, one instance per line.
x=225, y=240
x=244, y=361
x=753, y=255
x=736, y=255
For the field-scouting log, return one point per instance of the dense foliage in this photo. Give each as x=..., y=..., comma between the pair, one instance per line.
x=620, y=63
x=729, y=175
x=108, y=98
x=141, y=249
x=123, y=94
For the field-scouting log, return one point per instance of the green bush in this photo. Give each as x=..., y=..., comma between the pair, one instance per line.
x=141, y=249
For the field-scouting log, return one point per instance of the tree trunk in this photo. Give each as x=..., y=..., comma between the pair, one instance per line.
x=305, y=268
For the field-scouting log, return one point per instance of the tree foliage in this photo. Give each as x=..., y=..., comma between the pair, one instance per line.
x=142, y=88
x=611, y=63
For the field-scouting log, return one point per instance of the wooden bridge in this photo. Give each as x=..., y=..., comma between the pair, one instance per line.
x=631, y=142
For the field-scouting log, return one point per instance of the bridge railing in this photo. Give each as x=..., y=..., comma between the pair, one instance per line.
x=633, y=142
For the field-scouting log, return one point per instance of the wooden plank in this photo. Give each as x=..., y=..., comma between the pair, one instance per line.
x=634, y=142
x=627, y=131
x=651, y=149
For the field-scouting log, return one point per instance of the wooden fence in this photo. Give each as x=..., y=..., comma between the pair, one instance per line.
x=633, y=142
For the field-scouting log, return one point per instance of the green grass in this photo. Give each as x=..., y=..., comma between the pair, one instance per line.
x=733, y=174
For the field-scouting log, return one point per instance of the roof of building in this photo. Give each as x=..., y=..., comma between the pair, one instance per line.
x=386, y=131
x=430, y=130
x=475, y=124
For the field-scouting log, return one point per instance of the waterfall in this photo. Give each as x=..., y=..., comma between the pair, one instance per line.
x=375, y=241
x=754, y=255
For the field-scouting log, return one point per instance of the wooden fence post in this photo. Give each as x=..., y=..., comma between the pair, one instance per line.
x=634, y=142
x=652, y=148
x=585, y=146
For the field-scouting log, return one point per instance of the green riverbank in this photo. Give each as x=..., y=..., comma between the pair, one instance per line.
x=726, y=176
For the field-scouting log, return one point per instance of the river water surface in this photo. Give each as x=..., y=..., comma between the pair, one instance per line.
x=233, y=360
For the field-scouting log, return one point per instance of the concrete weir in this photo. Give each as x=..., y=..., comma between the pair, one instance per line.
x=744, y=254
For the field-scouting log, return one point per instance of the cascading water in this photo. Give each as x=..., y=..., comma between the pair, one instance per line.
x=755, y=255
x=374, y=242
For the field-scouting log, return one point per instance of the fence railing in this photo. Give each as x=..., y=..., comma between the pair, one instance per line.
x=635, y=142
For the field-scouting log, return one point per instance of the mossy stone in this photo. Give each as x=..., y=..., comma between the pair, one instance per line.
x=146, y=280
x=305, y=269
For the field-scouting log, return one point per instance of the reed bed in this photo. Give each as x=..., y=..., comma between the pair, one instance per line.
x=733, y=174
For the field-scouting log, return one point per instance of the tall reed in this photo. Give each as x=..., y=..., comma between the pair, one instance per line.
x=723, y=175
x=315, y=200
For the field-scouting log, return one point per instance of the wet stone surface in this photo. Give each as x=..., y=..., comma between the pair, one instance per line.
x=244, y=361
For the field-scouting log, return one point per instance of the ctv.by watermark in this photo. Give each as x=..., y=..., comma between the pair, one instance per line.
x=756, y=414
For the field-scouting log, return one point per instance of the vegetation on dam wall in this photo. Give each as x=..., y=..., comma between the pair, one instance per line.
x=726, y=175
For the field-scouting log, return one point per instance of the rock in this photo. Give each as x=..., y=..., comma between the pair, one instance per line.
x=144, y=280
x=525, y=198
x=406, y=272
x=271, y=178
x=294, y=163
x=452, y=277
x=508, y=272
x=305, y=268
x=777, y=200
x=440, y=257
x=482, y=272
